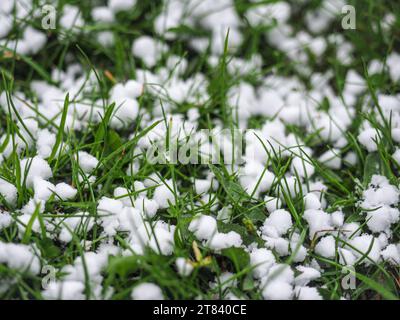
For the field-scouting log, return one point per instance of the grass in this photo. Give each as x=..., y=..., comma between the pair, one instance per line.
x=115, y=150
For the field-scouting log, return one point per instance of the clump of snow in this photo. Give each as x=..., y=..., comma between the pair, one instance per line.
x=147, y=291
x=280, y=221
x=204, y=227
x=65, y=191
x=365, y=245
x=183, y=266
x=35, y=167
x=326, y=247
x=87, y=162
x=221, y=241
x=8, y=191
x=164, y=194
x=20, y=257
x=261, y=260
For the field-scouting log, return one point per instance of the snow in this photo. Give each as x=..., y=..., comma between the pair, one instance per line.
x=204, y=227
x=307, y=275
x=164, y=195
x=326, y=247
x=225, y=240
x=392, y=254
x=291, y=120
x=147, y=291
x=346, y=257
x=202, y=185
x=368, y=139
x=280, y=220
x=396, y=156
x=20, y=257
x=311, y=201
x=382, y=218
x=367, y=245
x=278, y=284
x=109, y=206
x=121, y=5
x=45, y=143
x=87, y=162
x=43, y=189
x=32, y=168
x=272, y=203
x=261, y=260
x=103, y=14
x=5, y=219
x=337, y=218
x=66, y=290
x=393, y=63
x=148, y=49
x=318, y=222
x=278, y=291
x=71, y=18
x=160, y=237
x=307, y=293
x=302, y=167
x=183, y=266
x=331, y=159
x=147, y=206
x=65, y=191
x=379, y=192
x=8, y=191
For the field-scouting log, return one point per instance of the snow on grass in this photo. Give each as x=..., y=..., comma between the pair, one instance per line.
x=103, y=125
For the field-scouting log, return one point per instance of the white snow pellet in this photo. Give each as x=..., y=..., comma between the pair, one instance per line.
x=87, y=162
x=307, y=293
x=318, y=221
x=8, y=191
x=393, y=63
x=204, y=227
x=45, y=143
x=281, y=273
x=311, y=201
x=147, y=291
x=147, y=206
x=331, y=159
x=326, y=247
x=380, y=192
x=366, y=245
x=108, y=206
x=121, y=5
x=368, y=139
x=164, y=196
x=65, y=191
x=337, y=218
x=19, y=257
x=396, y=156
x=277, y=290
x=381, y=219
x=5, y=220
x=392, y=254
x=183, y=266
x=272, y=203
x=65, y=290
x=307, y=274
x=35, y=167
x=261, y=260
x=302, y=167
x=280, y=219
x=221, y=241
x=202, y=185
x=43, y=189
x=346, y=257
